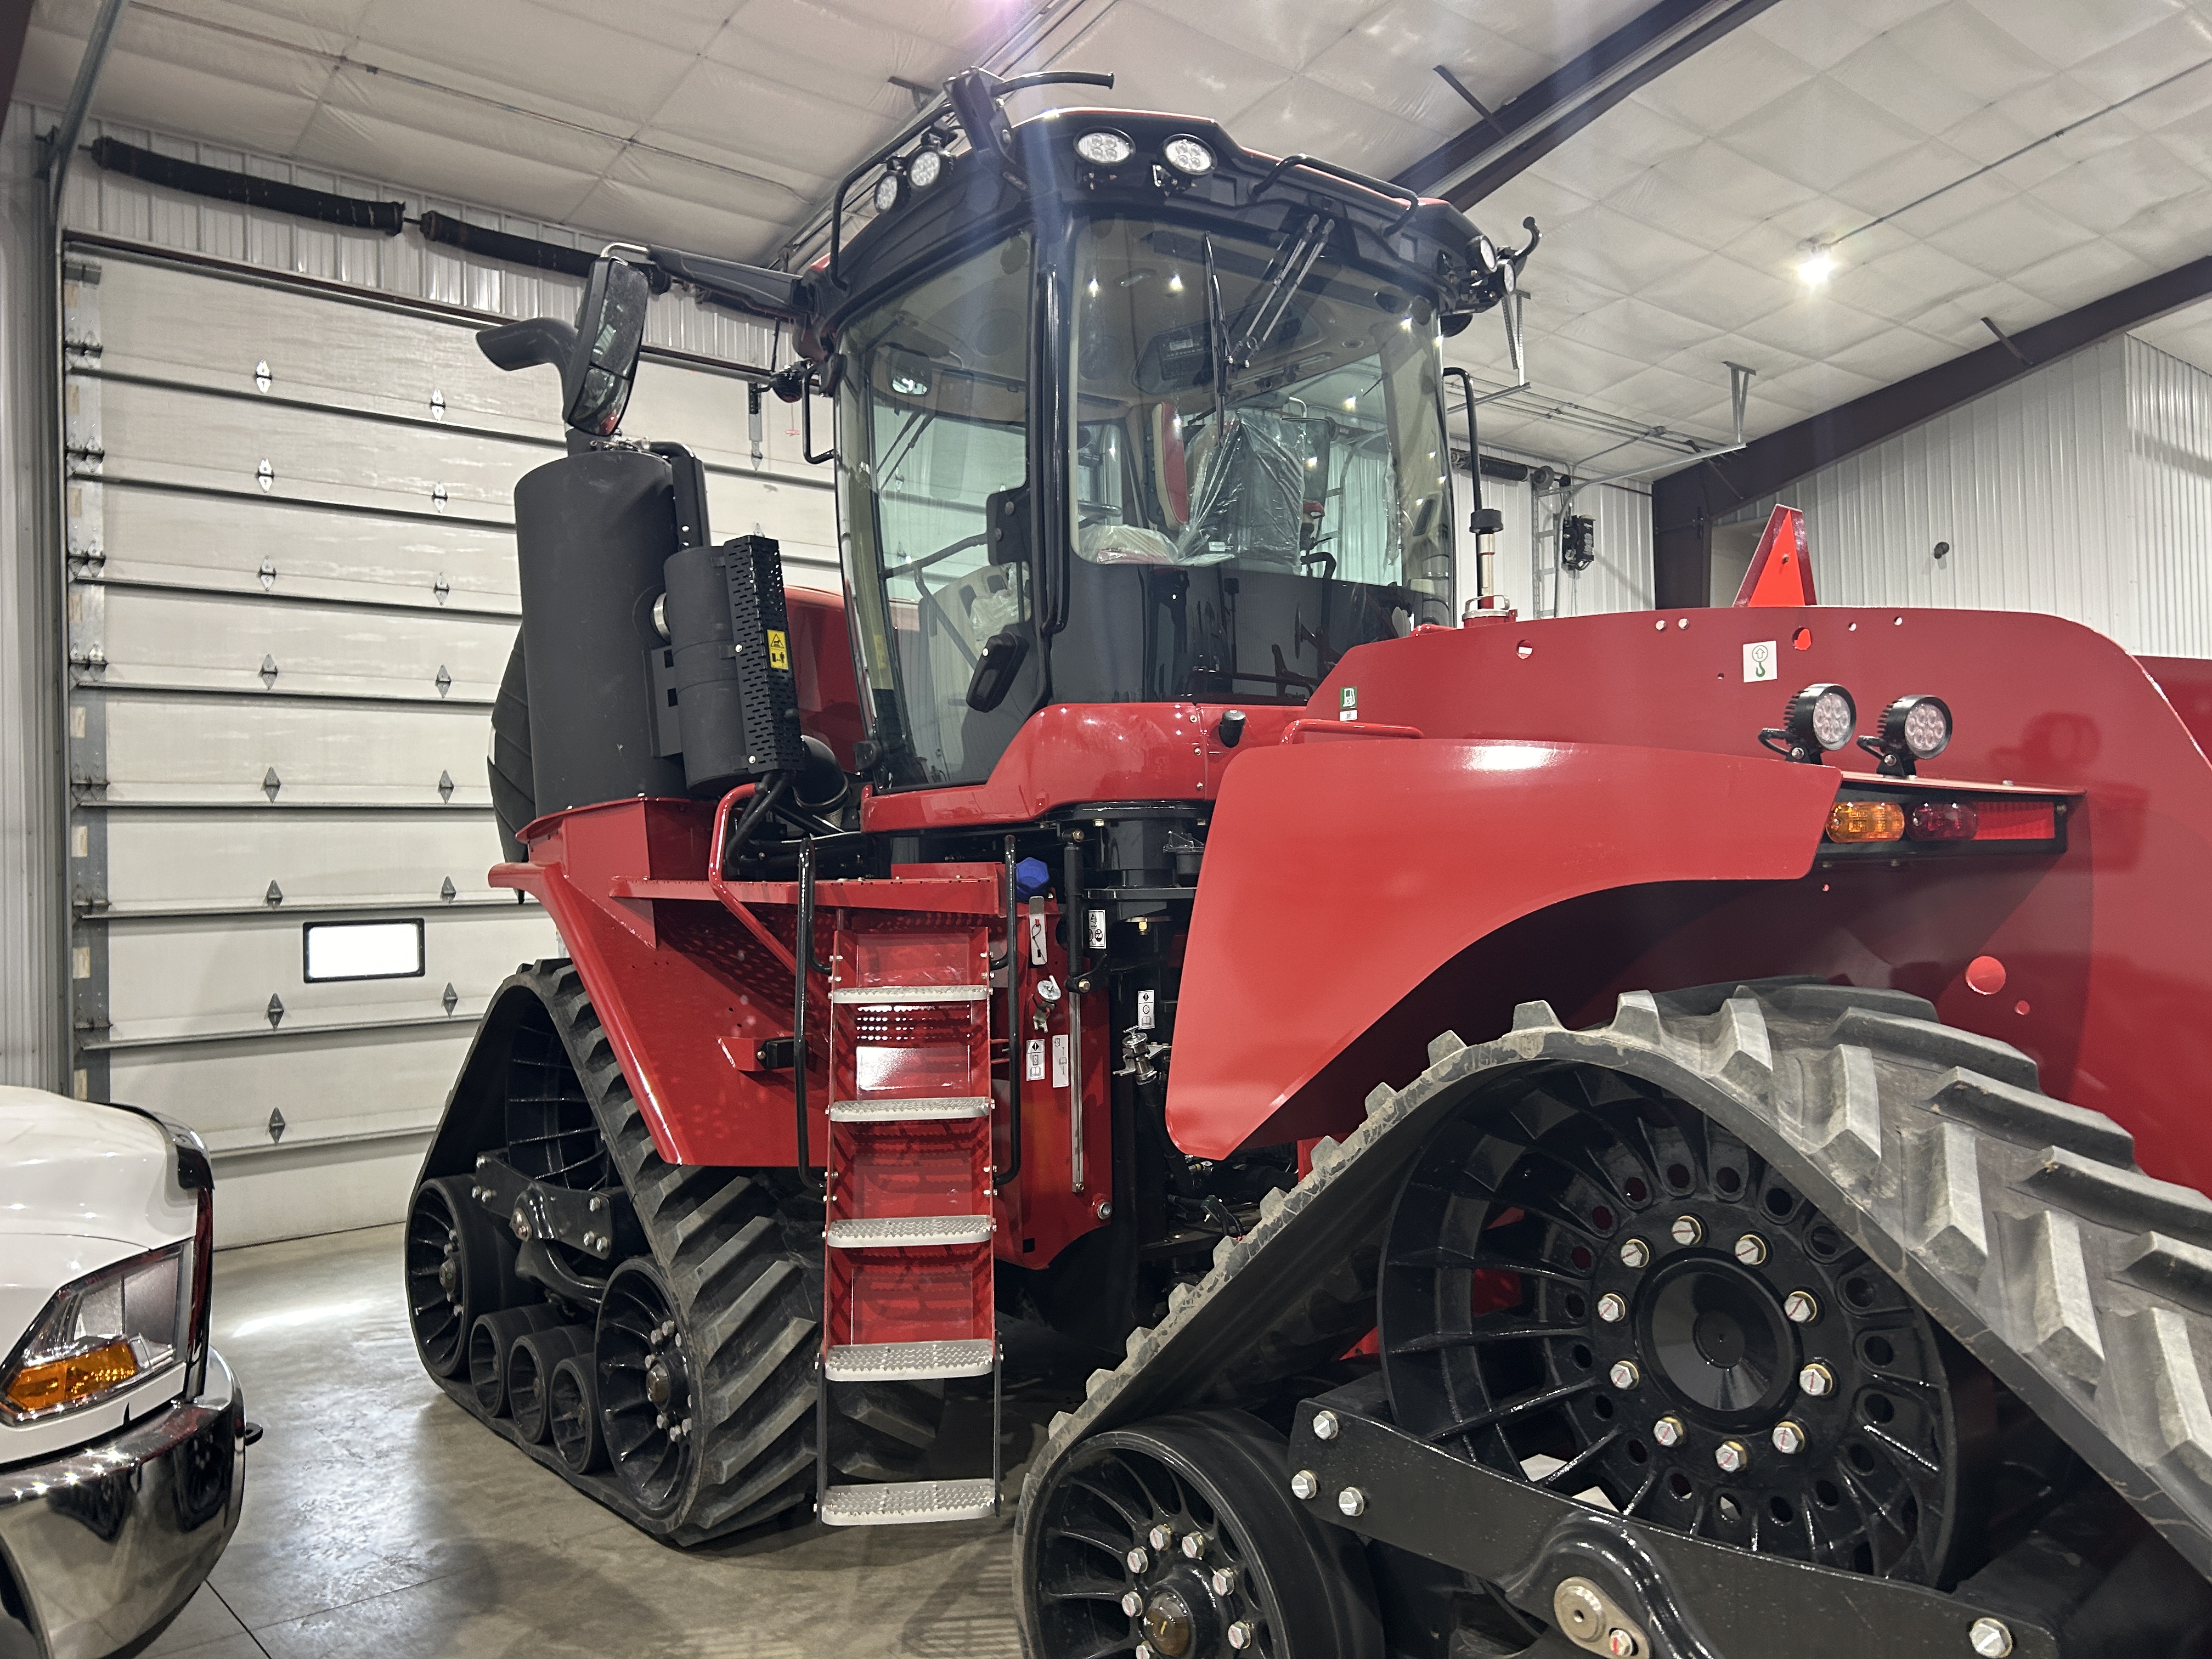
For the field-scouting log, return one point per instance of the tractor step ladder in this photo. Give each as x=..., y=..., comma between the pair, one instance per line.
x=908, y=1287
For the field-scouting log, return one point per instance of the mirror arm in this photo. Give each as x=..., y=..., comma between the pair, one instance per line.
x=541, y=340
x=806, y=431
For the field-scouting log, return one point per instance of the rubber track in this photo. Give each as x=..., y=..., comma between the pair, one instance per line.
x=2020, y=1222
x=750, y=1296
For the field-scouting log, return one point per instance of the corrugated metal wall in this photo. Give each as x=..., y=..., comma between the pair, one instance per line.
x=1618, y=580
x=33, y=1019
x=2083, y=489
x=2170, y=458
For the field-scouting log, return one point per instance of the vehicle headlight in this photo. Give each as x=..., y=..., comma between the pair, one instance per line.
x=887, y=191
x=926, y=167
x=101, y=1333
x=1105, y=148
x=1188, y=155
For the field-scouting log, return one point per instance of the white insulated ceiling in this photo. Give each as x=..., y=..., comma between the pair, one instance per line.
x=1672, y=224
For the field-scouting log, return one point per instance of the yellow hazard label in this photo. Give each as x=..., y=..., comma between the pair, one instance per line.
x=779, y=652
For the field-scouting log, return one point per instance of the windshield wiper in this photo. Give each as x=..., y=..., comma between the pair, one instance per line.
x=1217, y=348
x=1273, y=299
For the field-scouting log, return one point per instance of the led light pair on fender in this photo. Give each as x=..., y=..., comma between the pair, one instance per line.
x=1823, y=718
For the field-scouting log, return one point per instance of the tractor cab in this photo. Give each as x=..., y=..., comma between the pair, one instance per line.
x=1129, y=413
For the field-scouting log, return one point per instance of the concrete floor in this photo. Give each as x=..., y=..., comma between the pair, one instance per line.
x=380, y=1519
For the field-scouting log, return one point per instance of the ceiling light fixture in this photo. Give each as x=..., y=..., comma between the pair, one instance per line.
x=1816, y=263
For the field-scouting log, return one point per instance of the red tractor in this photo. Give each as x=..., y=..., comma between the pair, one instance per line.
x=1069, y=929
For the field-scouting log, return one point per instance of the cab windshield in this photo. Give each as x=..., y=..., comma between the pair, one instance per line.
x=1258, y=471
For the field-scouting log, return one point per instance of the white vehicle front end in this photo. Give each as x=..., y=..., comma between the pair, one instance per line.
x=122, y=1431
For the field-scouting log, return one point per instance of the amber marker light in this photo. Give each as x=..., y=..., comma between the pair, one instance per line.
x=45, y=1384
x=1866, y=820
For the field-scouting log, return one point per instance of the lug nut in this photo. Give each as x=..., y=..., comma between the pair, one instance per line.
x=1241, y=1634
x=1224, y=1581
x=1352, y=1501
x=1138, y=1560
x=1686, y=1229
x=1801, y=1307
x=1789, y=1438
x=1751, y=1250
x=1668, y=1430
x=1302, y=1484
x=1132, y=1603
x=1732, y=1456
x=1324, y=1426
x=1624, y=1374
x=1612, y=1309
x=1817, y=1380
x=1162, y=1537
x=1194, y=1546
x=1990, y=1638
x=1635, y=1252
x=1621, y=1644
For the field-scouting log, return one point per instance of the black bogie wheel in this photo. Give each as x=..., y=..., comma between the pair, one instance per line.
x=642, y=1367
x=571, y=1413
x=1180, y=1534
x=1590, y=1286
x=458, y=1266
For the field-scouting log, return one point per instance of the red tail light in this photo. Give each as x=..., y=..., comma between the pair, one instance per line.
x=2018, y=820
x=1943, y=820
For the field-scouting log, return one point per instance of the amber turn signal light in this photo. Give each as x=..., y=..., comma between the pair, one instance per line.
x=1866, y=820
x=44, y=1384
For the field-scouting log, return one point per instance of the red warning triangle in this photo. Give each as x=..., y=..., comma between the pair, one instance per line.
x=1781, y=571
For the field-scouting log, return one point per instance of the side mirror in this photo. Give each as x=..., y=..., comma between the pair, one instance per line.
x=595, y=382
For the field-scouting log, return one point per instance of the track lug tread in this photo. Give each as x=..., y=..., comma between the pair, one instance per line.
x=2061, y=1315
x=2030, y=1119
x=1925, y=1041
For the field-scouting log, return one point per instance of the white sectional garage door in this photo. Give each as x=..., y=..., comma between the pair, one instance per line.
x=292, y=596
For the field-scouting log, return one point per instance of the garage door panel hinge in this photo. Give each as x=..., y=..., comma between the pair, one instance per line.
x=269, y=671
x=274, y=896
x=276, y=1124
x=448, y=891
x=452, y=998
x=275, y=1012
x=85, y=460
x=270, y=783
x=444, y=785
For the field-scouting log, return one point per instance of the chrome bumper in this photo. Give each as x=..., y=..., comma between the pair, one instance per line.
x=104, y=1542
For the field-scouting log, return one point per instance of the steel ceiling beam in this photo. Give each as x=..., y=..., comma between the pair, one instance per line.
x=1686, y=504
x=1535, y=122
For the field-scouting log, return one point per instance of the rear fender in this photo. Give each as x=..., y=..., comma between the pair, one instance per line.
x=1341, y=875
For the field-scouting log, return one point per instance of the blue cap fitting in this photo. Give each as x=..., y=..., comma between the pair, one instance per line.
x=1031, y=876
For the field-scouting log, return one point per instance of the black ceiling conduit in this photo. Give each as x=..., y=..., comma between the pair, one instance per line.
x=355, y=212
x=113, y=155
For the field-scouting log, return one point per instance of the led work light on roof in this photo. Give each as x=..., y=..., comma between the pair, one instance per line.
x=926, y=167
x=1188, y=155
x=1914, y=729
x=1819, y=719
x=1105, y=148
x=887, y=191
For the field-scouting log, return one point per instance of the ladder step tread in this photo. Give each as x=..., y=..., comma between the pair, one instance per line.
x=867, y=993
x=909, y=1362
x=909, y=1111
x=894, y=1232
x=907, y=1502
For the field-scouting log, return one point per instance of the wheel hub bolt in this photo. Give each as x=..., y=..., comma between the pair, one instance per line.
x=1138, y=1560
x=1352, y=1501
x=1801, y=1307
x=1241, y=1634
x=1789, y=1438
x=1194, y=1546
x=1751, y=1250
x=1612, y=1309
x=1132, y=1604
x=1624, y=1374
x=1686, y=1229
x=1161, y=1537
x=1732, y=1456
x=1303, y=1484
x=1224, y=1581
x=1817, y=1380
x=1990, y=1638
x=1668, y=1430
x=1324, y=1426
x=1634, y=1253
x=1621, y=1644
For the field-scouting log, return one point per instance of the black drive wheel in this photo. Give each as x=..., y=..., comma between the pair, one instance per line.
x=1588, y=1285
x=1180, y=1535
x=459, y=1265
x=642, y=1367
